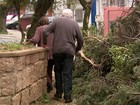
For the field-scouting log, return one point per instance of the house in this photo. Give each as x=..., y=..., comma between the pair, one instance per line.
x=108, y=11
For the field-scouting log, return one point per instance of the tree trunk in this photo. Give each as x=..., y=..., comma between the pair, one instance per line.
x=68, y=3
x=20, y=28
x=86, y=21
x=18, y=8
x=87, y=8
x=40, y=10
x=3, y=14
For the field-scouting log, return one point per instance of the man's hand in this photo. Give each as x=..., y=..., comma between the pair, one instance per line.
x=27, y=43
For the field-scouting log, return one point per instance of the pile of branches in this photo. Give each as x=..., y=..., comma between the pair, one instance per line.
x=126, y=30
x=107, y=70
x=127, y=27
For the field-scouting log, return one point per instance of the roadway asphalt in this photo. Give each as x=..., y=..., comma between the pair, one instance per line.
x=12, y=36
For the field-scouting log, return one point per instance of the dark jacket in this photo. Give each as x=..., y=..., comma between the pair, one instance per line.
x=66, y=35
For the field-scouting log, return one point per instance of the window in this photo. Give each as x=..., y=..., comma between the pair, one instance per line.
x=119, y=3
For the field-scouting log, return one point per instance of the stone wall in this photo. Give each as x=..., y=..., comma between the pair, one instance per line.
x=22, y=76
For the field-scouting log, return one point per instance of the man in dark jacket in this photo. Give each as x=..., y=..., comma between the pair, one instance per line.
x=67, y=42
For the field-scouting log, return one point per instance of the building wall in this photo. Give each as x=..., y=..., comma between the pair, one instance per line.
x=111, y=14
x=101, y=4
x=78, y=13
x=109, y=10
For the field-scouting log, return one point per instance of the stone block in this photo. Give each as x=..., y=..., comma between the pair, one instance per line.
x=23, y=79
x=28, y=60
x=36, y=90
x=26, y=77
x=0, y=84
x=39, y=69
x=6, y=65
x=34, y=58
x=0, y=92
x=20, y=63
x=19, y=83
x=8, y=84
x=43, y=55
x=16, y=99
x=25, y=97
x=5, y=100
x=45, y=67
x=33, y=75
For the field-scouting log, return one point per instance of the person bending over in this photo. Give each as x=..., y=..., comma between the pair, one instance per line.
x=42, y=41
x=68, y=40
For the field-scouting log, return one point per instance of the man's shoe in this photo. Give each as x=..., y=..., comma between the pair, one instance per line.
x=58, y=96
x=49, y=89
x=68, y=100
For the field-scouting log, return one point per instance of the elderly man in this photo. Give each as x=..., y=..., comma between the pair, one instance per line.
x=67, y=42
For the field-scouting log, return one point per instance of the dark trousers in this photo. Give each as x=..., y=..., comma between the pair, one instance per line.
x=63, y=73
x=49, y=72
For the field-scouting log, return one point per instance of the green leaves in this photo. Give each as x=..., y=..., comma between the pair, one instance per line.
x=121, y=57
x=13, y=47
x=10, y=47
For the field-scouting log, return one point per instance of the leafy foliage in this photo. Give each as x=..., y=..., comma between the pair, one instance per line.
x=116, y=87
x=119, y=59
x=42, y=100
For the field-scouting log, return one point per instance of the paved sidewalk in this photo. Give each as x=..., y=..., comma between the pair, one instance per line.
x=12, y=36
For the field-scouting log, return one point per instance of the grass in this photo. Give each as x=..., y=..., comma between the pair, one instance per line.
x=12, y=47
x=44, y=100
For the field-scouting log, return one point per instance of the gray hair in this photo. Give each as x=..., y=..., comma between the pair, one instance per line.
x=67, y=13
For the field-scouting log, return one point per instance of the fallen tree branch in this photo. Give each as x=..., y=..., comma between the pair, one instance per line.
x=87, y=59
x=95, y=38
x=134, y=93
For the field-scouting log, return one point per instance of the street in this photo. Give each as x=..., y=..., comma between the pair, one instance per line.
x=12, y=36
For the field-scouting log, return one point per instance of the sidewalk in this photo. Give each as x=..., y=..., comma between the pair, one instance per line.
x=12, y=36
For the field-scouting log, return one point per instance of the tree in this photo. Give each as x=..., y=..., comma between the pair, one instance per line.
x=87, y=8
x=18, y=4
x=4, y=8
x=70, y=3
x=41, y=8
